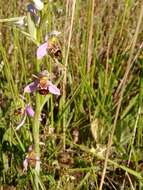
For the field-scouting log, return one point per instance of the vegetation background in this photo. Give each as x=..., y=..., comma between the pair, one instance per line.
x=93, y=133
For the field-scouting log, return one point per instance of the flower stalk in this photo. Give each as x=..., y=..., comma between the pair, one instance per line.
x=35, y=131
x=41, y=84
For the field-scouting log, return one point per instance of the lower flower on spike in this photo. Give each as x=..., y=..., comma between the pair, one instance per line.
x=30, y=159
x=27, y=111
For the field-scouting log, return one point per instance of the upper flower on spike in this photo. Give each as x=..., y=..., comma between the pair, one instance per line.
x=38, y=4
x=43, y=85
x=51, y=47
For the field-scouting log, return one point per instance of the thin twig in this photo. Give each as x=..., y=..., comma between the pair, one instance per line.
x=133, y=139
x=65, y=69
x=135, y=58
x=89, y=56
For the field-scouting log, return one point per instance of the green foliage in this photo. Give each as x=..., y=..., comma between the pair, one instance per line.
x=76, y=126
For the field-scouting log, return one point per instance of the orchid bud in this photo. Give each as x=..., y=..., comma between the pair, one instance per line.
x=38, y=4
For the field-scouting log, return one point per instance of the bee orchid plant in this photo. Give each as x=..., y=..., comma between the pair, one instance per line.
x=41, y=83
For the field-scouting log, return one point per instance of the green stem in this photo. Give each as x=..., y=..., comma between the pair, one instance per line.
x=36, y=139
x=36, y=126
x=35, y=130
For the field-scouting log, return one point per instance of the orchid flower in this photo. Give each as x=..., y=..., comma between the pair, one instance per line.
x=28, y=111
x=51, y=45
x=31, y=159
x=43, y=85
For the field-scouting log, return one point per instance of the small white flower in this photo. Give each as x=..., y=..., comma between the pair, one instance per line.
x=38, y=4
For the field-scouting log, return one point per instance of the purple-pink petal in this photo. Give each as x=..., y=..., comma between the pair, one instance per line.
x=31, y=87
x=53, y=89
x=29, y=111
x=42, y=50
